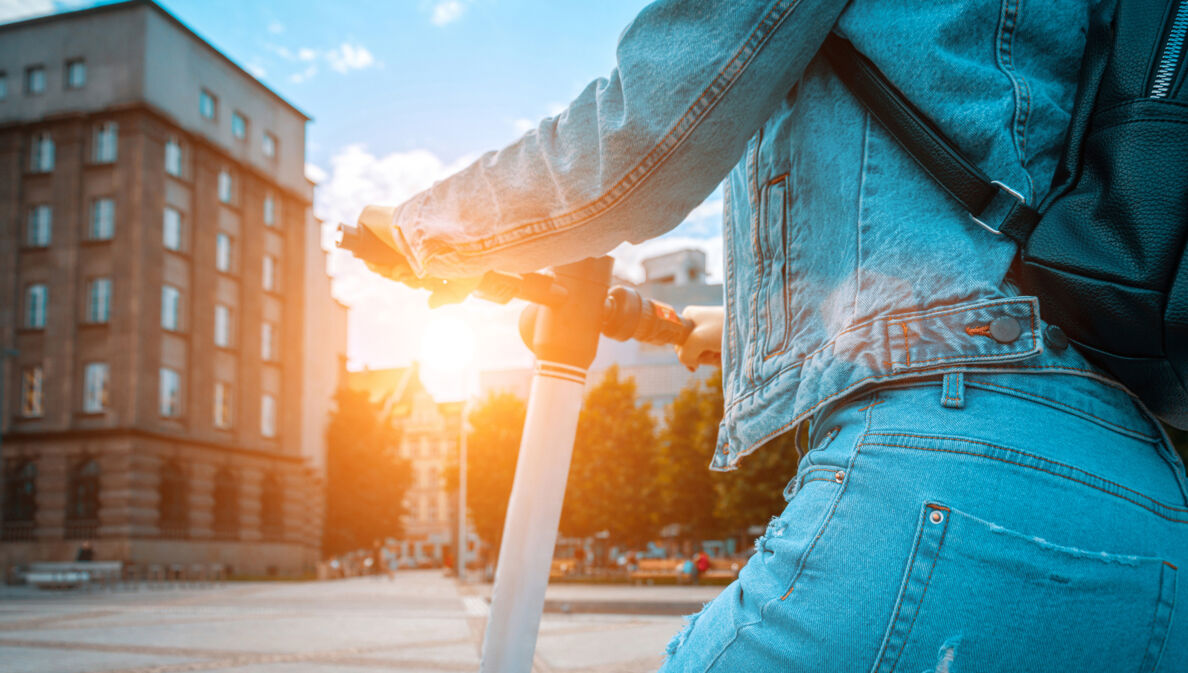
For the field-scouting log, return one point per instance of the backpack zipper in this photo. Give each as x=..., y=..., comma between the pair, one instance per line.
x=1173, y=49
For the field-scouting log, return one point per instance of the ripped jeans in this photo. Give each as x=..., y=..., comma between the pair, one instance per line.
x=974, y=524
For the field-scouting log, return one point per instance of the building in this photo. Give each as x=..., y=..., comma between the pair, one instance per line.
x=429, y=435
x=162, y=284
x=677, y=279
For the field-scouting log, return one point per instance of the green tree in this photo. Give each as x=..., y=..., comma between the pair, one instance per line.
x=684, y=484
x=492, y=446
x=752, y=494
x=366, y=478
x=611, y=477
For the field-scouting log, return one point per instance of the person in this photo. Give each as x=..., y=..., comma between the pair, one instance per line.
x=86, y=552
x=702, y=562
x=975, y=494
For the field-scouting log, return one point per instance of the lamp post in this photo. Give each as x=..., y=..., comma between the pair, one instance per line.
x=461, y=550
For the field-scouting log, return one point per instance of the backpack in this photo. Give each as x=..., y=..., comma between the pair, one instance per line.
x=1105, y=250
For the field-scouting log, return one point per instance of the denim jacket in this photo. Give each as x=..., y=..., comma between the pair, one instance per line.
x=846, y=266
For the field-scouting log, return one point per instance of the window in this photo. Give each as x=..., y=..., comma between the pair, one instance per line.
x=170, y=308
x=222, y=405
x=3, y=85
x=238, y=125
x=99, y=300
x=82, y=500
x=268, y=273
x=36, y=298
x=222, y=326
x=268, y=415
x=95, y=388
x=20, y=499
x=76, y=74
x=268, y=145
x=269, y=210
x=226, y=504
x=41, y=153
x=223, y=253
x=104, y=142
x=40, y=229
x=207, y=104
x=102, y=219
x=173, y=498
x=31, y=400
x=171, y=235
x=35, y=79
x=169, y=402
x=173, y=157
x=267, y=342
x=226, y=186
x=272, y=515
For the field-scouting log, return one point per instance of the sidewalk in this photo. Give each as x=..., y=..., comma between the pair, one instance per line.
x=422, y=622
x=624, y=599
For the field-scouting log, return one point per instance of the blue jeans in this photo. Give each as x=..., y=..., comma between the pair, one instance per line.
x=973, y=523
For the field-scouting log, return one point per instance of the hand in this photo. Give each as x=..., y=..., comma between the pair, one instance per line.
x=704, y=345
x=378, y=221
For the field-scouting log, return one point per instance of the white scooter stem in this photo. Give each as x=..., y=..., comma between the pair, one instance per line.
x=533, y=513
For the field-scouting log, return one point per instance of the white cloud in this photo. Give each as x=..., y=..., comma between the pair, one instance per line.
x=306, y=54
x=523, y=125
x=447, y=11
x=258, y=71
x=276, y=28
x=299, y=77
x=347, y=57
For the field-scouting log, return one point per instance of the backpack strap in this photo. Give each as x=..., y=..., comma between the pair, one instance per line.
x=985, y=199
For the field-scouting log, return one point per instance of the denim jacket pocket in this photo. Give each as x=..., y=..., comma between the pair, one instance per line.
x=973, y=592
x=773, y=249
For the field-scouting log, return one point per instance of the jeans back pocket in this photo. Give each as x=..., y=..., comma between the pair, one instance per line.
x=979, y=597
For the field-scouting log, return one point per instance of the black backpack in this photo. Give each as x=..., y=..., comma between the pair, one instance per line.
x=1105, y=250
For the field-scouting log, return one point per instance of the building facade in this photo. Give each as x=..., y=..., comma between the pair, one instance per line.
x=159, y=276
x=429, y=439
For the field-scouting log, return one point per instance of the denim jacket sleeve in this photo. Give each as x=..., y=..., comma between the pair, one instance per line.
x=634, y=153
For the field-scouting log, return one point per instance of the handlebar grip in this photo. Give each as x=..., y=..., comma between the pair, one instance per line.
x=627, y=315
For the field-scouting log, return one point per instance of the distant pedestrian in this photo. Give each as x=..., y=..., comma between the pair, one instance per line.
x=85, y=552
x=702, y=563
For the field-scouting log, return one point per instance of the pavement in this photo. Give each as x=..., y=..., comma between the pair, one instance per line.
x=420, y=622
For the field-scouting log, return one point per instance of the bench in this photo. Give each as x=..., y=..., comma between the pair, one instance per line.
x=68, y=575
x=723, y=568
x=561, y=568
x=657, y=568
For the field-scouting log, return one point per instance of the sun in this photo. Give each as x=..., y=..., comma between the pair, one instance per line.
x=447, y=344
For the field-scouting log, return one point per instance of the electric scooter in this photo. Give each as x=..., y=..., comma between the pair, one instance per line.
x=569, y=308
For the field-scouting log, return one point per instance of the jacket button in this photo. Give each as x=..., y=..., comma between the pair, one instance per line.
x=1055, y=338
x=1004, y=330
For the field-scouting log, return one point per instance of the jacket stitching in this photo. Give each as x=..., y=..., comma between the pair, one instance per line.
x=688, y=122
x=1005, y=58
x=861, y=206
x=1071, y=468
x=893, y=320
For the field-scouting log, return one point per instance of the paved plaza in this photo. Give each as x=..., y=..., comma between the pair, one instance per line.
x=420, y=622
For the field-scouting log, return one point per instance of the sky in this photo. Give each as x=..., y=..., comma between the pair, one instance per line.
x=403, y=93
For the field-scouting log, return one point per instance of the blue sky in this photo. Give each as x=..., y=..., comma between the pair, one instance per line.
x=402, y=93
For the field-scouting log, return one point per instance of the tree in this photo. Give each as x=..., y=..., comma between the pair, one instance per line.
x=611, y=476
x=684, y=484
x=752, y=494
x=492, y=447
x=366, y=478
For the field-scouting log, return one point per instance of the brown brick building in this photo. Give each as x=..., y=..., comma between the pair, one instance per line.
x=171, y=343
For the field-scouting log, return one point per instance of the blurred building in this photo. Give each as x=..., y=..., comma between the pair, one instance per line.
x=162, y=282
x=429, y=434
x=678, y=279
